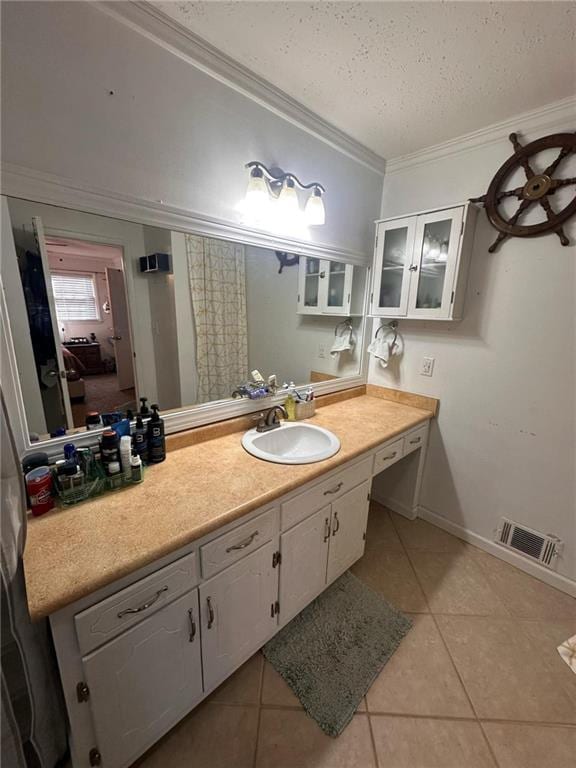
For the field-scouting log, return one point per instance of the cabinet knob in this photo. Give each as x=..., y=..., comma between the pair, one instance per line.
x=413, y=268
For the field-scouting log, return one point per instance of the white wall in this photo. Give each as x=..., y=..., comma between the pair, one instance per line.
x=504, y=440
x=103, y=327
x=168, y=131
x=281, y=341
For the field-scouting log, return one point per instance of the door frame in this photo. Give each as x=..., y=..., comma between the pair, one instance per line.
x=128, y=279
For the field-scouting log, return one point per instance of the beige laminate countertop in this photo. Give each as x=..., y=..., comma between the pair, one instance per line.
x=72, y=552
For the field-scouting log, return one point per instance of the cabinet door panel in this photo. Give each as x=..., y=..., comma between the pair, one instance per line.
x=236, y=613
x=391, y=273
x=349, y=519
x=311, y=285
x=436, y=249
x=145, y=680
x=304, y=558
x=339, y=288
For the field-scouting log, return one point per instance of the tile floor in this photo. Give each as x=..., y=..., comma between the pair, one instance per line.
x=477, y=683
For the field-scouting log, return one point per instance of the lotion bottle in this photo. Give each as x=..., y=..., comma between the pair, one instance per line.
x=156, y=439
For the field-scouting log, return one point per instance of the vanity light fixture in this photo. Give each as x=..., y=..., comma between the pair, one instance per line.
x=275, y=188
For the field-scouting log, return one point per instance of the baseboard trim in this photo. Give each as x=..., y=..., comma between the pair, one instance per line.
x=394, y=505
x=556, y=580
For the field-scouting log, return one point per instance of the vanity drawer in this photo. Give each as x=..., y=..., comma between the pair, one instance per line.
x=317, y=497
x=227, y=549
x=389, y=455
x=103, y=621
x=415, y=440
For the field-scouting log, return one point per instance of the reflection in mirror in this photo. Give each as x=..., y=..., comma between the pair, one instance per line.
x=104, y=312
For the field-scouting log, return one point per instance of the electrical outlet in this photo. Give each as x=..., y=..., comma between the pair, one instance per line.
x=322, y=351
x=427, y=367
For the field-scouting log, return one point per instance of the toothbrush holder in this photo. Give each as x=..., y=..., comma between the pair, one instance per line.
x=304, y=410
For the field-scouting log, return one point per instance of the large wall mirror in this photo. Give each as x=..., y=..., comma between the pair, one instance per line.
x=95, y=326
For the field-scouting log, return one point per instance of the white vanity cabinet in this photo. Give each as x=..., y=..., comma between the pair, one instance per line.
x=324, y=287
x=239, y=612
x=142, y=682
x=421, y=264
x=138, y=655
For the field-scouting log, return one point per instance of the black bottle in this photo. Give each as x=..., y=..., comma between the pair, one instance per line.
x=156, y=439
x=144, y=410
x=109, y=448
x=140, y=439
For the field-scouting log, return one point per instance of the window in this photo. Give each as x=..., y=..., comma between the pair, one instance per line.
x=75, y=297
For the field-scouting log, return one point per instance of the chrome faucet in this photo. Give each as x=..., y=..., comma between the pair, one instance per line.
x=269, y=420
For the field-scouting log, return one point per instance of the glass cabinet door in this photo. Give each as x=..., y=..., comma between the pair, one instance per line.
x=434, y=263
x=339, y=277
x=310, y=288
x=395, y=241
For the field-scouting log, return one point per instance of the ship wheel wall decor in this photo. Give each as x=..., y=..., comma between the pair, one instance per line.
x=538, y=189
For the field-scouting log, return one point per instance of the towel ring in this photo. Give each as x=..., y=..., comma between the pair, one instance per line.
x=347, y=326
x=391, y=326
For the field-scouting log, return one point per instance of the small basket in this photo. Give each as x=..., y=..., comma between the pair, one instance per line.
x=304, y=410
x=94, y=485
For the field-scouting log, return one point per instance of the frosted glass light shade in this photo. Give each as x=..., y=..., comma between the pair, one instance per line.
x=288, y=200
x=314, y=213
x=257, y=199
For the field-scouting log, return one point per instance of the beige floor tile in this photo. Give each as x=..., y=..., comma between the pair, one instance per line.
x=532, y=746
x=291, y=739
x=523, y=595
x=420, y=535
x=277, y=692
x=454, y=583
x=391, y=574
x=275, y=689
x=381, y=534
x=420, y=678
x=545, y=638
x=243, y=687
x=403, y=742
x=212, y=736
x=504, y=672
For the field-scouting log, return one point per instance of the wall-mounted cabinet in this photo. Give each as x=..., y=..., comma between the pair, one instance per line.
x=421, y=264
x=329, y=288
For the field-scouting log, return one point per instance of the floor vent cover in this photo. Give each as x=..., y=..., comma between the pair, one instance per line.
x=542, y=547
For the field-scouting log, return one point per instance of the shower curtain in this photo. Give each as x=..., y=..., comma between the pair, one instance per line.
x=216, y=270
x=33, y=724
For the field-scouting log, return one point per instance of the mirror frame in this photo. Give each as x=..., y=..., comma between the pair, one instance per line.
x=42, y=188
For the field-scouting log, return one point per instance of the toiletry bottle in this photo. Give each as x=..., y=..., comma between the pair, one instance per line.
x=93, y=420
x=140, y=439
x=156, y=439
x=290, y=405
x=136, y=468
x=125, y=456
x=144, y=410
x=109, y=449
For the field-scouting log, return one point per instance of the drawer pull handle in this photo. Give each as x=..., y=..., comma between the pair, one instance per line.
x=192, y=626
x=326, y=529
x=210, y=612
x=243, y=544
x=336, y=527
x=144, y=606
x=334, y=490
x=415, y=441
x=390, y=456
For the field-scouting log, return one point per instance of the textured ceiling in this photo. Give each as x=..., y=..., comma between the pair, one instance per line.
x=399, y=76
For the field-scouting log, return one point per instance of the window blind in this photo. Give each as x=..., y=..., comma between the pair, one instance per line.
x=75, y=297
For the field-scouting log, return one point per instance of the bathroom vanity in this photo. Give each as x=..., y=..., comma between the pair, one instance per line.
x=158, y=593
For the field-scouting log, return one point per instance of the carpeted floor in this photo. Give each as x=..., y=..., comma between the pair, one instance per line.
x=103, y=395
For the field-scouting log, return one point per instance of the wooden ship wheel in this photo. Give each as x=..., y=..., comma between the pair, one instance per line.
x=537, y=190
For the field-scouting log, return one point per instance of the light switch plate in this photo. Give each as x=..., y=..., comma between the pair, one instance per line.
x=322, y=351
x=427, y=367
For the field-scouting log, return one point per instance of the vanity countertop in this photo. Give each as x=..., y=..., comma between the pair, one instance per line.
x=72, y=552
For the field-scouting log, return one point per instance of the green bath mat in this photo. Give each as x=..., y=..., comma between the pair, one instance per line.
x=332, y=652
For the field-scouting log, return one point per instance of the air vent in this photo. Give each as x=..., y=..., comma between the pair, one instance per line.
x=542, y=547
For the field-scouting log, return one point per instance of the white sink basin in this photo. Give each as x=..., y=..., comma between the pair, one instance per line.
x=293, y=443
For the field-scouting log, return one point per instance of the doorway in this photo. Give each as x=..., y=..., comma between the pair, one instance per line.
x=88, y=286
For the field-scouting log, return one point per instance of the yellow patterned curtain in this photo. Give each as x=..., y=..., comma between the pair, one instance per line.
x=218, y=289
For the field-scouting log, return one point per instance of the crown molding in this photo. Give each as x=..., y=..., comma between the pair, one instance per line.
x=559, y=113
x=30, y=184
x=152, y=23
